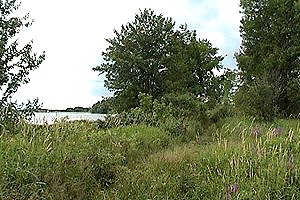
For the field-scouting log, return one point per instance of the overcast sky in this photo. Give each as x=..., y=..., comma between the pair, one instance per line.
x=73, y=32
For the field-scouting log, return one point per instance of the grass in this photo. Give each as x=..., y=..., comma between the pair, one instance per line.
x=79, y=161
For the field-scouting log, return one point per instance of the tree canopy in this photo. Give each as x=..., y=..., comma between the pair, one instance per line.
x=150, y=56
x=269, y=58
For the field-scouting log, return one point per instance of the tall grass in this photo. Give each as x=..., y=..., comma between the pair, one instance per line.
x=234, y=159
x=71, y=160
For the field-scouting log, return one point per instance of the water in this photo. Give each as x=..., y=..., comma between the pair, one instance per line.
x=50, y=117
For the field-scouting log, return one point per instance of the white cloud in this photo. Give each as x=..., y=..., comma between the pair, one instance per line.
x=73, y=32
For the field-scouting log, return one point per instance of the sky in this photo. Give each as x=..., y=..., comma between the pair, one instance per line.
x=72, y=33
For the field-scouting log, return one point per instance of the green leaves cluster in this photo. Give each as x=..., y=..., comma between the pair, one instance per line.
x=181, y=115
x=269, y=58
x=102, y=107
x=150, y=56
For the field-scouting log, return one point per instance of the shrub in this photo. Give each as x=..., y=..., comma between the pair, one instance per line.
x=257, y=101
x=181, y=115
x=11, y=114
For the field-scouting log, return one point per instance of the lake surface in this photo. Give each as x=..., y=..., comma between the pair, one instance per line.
x=51, y=117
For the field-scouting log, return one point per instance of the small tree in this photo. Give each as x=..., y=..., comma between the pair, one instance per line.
x=15, y=61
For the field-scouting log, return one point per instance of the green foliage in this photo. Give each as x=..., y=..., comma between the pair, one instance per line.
x=221, y=106
x=103, y=107
x=192, y=67
x=181, y=115
x=135, y=55
x=257, y=100
x=219, y=111
x=12, y=113
x=149, y=112
x=72, y=160
x=185, y=105
x=270, y=54
x=78, y=161
x=149, y=56
x=15, y=61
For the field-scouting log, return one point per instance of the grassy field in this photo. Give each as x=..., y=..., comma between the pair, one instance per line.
x=234, y=159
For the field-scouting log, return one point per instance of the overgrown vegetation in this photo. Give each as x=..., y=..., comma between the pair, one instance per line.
x=72, y=160
x=102, y=107
x=183, y=115
x=181, y=132
x=233, y=159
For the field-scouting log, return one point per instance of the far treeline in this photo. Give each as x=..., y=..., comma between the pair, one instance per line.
x=75, y=109
x=150, y=58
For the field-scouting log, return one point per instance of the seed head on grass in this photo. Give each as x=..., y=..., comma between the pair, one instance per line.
x=277, y=131
x=290, y=164
x=231, y=191
x=256, y=131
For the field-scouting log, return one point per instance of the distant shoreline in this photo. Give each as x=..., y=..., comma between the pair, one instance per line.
x=51, y=117
x=76, y=109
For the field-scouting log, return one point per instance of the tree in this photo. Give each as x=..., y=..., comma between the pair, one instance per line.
x=102, y=107
x=135, y=56
x=192, y=71
x=149, y=56
x=269, y=59
x=15, y=61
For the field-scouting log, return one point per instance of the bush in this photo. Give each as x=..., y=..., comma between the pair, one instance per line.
x=257, y=101
x=186, y=105
x=220, y=111
x=180, y=115
x=11, y=114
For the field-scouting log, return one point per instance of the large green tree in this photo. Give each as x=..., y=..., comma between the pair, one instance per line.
x=150, y=56
x=135, y=56
x=192, y=67
x=269, y=58
x=16, y=61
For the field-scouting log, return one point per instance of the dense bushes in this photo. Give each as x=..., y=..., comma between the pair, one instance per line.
x=183, y=115
x=257, y=101
x=102, y=107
